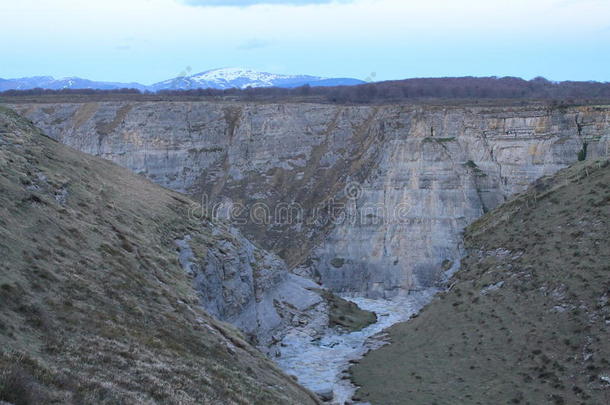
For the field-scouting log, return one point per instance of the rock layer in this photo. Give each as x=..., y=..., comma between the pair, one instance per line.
x=369, y=199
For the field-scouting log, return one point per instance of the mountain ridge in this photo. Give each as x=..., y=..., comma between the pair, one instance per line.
x=222, y=78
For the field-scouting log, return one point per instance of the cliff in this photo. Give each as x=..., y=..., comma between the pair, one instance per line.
x=367, y=199
x=100, y=288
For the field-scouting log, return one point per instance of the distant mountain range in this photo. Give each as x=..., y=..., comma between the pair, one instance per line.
x=48, y=82
x=225, y=78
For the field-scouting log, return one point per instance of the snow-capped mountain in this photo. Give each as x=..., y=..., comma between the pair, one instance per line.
x=228, y=78
x=225, y=78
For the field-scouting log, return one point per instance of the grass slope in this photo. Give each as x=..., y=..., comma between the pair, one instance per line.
x=526, y=319
x=94, y=306
x=346, y=315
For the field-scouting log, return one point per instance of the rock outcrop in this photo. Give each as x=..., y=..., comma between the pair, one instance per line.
x=368, y=199
x=250, y=288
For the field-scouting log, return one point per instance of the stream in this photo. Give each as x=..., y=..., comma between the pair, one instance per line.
x=321, y=364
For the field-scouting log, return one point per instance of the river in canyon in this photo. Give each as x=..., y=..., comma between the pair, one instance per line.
x=321, y=364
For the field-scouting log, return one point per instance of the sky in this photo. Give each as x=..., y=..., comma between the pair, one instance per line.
x=148, y=41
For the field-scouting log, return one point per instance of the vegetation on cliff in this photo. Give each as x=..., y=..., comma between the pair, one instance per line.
x=526, y=319
x=345, y=314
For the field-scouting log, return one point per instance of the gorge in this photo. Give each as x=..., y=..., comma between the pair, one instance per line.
x=369, y=201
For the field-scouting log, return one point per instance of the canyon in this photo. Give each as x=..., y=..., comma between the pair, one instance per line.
x=366, y=200
x=287, y=202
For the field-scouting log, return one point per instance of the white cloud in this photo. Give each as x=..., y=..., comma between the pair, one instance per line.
x=246, y=3
x=374, y=20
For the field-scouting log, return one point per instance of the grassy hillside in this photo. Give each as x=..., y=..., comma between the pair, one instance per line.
x=526, y=320
x=94, y=306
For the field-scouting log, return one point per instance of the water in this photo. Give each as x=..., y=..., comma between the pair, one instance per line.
x=321, y=364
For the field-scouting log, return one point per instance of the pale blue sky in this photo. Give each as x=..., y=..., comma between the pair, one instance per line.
x=152, y=40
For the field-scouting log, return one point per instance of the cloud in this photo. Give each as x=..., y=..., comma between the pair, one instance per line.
x=248, y=3
x=254, y=44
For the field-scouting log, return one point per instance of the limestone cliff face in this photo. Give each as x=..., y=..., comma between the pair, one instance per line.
x=250, y=288
x=369, y=199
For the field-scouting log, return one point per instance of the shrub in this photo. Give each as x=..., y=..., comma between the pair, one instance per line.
x=471, y=165
x=18, y=387
x=582, y=155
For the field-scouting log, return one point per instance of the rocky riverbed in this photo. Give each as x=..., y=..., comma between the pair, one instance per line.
x=321, y=362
